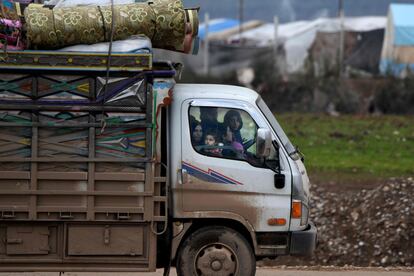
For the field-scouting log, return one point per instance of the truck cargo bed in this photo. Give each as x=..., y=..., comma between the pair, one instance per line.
x=78, y=178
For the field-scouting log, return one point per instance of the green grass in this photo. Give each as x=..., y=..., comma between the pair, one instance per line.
x=353, y=146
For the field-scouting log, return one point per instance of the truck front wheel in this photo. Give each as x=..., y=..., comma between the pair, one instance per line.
x=216, y=250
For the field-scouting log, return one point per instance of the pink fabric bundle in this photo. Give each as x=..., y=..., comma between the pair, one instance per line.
x=10, y=24
x=10, y=36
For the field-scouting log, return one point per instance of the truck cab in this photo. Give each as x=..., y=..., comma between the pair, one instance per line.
x=250, y=180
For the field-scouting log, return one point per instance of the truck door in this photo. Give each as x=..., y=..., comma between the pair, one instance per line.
x=219, y=168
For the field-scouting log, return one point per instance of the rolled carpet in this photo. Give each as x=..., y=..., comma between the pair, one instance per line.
x=165, y=22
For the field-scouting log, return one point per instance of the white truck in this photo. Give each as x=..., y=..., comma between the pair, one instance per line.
x=238, y=208
x=135, y=172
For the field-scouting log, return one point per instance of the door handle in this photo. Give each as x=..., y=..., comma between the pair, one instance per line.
x=182, y=176
x=184, y=173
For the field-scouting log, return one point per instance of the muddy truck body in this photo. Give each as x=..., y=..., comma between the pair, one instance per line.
x=110, y=170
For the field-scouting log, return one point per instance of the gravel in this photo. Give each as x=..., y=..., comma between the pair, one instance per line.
x=372, y=228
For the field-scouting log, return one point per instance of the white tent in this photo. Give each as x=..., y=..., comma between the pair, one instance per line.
x=297, y=37
x=398, y=48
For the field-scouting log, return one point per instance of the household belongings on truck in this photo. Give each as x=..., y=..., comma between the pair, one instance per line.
x=80, y=155
x=36, y=26
x=80, y=149
x=57, y=117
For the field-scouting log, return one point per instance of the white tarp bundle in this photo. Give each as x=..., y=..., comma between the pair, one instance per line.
x=135, y=44
x=398, y=49
x=72, y=3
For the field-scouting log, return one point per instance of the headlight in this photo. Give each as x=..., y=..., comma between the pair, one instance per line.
x=300, y=211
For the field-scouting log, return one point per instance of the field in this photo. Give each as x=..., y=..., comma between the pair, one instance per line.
x=353, y=149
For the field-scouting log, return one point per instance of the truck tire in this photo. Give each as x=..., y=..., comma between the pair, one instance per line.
x=216, y=250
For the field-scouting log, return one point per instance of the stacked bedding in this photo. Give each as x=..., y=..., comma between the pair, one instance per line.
x=166, y=23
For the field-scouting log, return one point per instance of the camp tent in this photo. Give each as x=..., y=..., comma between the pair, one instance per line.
x=397, y=56
x=298, y=38
x=295, y=43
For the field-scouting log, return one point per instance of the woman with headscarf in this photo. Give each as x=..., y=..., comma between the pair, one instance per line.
x=197, y=133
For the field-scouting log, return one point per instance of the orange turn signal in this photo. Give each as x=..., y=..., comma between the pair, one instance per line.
x=296, y=209
x=276, y=222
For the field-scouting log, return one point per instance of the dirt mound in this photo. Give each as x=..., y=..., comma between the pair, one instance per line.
x=363, y=228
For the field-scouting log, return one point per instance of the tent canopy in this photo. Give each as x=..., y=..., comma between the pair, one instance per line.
x=397, y=56
x=216, y=26
x=403, y=21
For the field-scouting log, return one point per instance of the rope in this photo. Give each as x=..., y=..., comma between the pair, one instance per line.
x=108, y=63
x=150, y=3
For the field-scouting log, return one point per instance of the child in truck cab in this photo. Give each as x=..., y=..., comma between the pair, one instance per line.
x=211, y=146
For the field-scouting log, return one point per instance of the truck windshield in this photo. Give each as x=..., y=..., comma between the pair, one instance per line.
x=277, y=128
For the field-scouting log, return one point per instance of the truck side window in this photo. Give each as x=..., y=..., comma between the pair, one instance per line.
x=223, y=132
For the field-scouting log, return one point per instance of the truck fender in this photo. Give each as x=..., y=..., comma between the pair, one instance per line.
x=196, y=220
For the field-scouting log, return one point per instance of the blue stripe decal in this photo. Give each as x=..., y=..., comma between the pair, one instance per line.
x=208, y=176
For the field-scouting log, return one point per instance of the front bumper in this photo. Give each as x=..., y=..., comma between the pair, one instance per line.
x=304, y=242
x=272, y=244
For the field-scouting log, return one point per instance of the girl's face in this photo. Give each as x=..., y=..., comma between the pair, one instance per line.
x=234, y=123
x=198, y=133
x=209, y=140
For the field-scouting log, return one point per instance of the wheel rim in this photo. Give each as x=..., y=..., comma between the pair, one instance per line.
x=216, y=259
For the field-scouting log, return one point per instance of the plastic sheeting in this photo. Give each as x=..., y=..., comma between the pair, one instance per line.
x=403, y=23
x=362, y=50
x=122, y=93
x=397, y=56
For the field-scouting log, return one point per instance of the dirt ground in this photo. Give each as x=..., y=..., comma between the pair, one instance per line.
x=361, y=224
x=260, y=272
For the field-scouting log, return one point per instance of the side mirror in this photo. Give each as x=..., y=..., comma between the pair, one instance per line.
x=263, y=143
